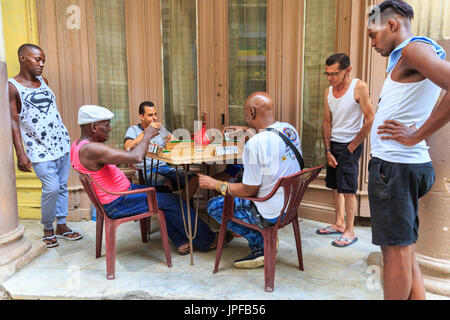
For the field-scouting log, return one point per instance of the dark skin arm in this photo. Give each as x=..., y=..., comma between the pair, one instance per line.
x=237, y=189
x=420, y=57
x=23, y=162
x=95, y=155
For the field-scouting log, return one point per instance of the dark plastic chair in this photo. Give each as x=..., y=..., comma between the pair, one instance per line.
x=294, y=188
x=112, y=224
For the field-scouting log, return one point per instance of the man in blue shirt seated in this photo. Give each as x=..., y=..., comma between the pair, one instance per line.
x=166, y=174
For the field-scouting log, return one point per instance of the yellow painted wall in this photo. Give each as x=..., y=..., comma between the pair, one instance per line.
x=20, y=26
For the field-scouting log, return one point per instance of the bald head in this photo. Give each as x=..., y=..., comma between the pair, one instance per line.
x=258, y=110
x=261, y=101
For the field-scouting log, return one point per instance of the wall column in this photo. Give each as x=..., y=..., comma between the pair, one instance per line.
x=15, y=249
x=433, y=246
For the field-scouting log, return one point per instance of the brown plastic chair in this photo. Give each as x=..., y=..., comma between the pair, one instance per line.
x=112, y=224
x=294, y=189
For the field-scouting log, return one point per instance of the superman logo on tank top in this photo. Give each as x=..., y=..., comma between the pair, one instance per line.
x=41, y=100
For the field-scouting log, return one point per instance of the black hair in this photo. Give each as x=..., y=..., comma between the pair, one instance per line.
x=26, y=46
x=341, y=58
x=143, y=105
x=398, y=6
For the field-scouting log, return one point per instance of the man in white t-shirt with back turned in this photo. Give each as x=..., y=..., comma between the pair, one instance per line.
x=266, y=158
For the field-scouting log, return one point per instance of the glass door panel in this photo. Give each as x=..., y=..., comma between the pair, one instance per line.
x=247, y=37
x=111, y=60
x=320, y=29
x=179, y=35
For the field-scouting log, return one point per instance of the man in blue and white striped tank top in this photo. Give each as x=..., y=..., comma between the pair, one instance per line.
x=36, y=121
x=401, y=171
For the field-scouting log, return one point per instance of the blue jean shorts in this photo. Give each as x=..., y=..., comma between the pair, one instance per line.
x=394, y=192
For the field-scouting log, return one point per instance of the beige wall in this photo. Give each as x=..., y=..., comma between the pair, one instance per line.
x=70, y=69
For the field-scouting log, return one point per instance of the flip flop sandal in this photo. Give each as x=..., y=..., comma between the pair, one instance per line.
x=51, y=244
x=350, y=242
x=184, y=251
x=331, y=231
x=64, y=236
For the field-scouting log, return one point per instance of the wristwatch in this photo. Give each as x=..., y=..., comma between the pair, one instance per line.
x=222, y=187
x=327, y=150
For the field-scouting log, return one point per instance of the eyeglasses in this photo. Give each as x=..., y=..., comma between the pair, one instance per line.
x=332, y=74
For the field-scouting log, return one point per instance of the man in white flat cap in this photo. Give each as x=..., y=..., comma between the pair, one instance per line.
x=91, y=156
x=37, y=123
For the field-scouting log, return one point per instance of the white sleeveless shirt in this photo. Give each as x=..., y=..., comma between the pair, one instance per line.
x=347, y=116
x=44, y=135
x=410, y=104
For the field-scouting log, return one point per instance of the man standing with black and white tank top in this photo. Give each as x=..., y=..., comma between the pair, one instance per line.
x=348, y=117
x=37, y=123
x=401, y=171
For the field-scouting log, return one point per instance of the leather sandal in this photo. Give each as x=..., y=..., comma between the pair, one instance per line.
x=184, y=251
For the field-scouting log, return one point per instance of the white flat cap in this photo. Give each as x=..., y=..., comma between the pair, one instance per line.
x=90, y=114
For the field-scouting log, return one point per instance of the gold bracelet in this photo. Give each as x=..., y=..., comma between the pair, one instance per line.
x=218, y=185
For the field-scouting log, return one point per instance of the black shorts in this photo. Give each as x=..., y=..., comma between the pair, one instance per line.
x=344, y=177
x=394, y=192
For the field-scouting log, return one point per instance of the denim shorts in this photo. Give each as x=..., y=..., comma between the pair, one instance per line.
x=394, y=192
x=344, y=178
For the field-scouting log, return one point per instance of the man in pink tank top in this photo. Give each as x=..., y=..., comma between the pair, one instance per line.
x=348, y=117
x=90, y=155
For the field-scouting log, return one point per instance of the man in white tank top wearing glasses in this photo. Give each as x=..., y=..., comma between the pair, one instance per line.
x=37, y=123
x=348, y=117
x=401, y=171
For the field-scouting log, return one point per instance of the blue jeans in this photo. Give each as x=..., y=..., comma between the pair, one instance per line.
x=55, y=194
x=241, y=212
x=134, y=204
x=166, y=173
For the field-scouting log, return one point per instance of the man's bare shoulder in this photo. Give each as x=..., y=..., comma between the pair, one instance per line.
x=12, y=89
x=418, y=51
x=95, y=147
x=361, y=86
